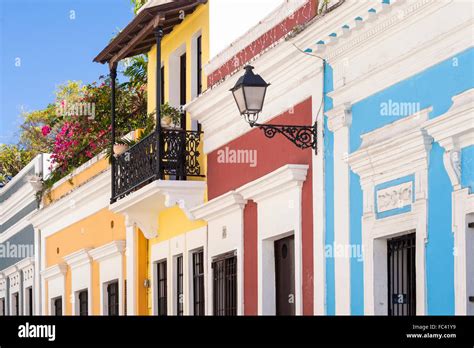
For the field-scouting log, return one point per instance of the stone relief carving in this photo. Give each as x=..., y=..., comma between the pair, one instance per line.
x=394, y=197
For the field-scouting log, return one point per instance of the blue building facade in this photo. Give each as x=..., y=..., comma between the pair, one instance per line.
x=398, y=159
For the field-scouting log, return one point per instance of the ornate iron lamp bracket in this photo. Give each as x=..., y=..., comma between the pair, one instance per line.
x=302, y=136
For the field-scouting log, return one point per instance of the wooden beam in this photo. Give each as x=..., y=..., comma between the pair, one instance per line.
x=141, y=34
x=167, y=15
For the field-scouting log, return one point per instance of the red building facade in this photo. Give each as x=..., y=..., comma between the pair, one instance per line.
x=260, y=191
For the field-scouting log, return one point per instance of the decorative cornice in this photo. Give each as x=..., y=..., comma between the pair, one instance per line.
x=344, y=39
x=78, y=258
x=25, y=263
x=282, y=179
x=453, y=131
x=219, y=206
x=10, y=271
x=339, y=117
x=383, y=26
x=356, y=78
x=393, y=148
x=106, y=251
x=455, y=128
x=54, y=271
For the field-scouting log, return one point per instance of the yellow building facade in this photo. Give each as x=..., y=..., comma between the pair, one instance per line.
x=176, y=231
x=162, y=239
x=82, y=245
x=115, y=239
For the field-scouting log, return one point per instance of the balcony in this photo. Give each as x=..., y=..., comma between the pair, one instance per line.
x=154, y=175
x=173, y=157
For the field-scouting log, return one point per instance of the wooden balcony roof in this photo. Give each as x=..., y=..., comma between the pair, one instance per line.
x=138, y=36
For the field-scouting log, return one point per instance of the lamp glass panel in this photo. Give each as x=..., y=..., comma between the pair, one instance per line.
x=240, y=100
x=254, y=97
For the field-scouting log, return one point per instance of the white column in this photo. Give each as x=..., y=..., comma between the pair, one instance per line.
x=44, y=302
x=339, y=121
x=461, y=254
x=131, y=266
x=319, y=219
x=37, y=284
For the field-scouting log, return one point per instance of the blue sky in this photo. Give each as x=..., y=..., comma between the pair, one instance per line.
x=45, y=43
x=51, y=47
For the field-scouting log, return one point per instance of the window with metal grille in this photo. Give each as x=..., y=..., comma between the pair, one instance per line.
x=58, y=306
x=179, y=285
x=199, y=64
x=225, y=284
x=198, y=283
x=162, y=289
x=29, y=301
x=83, y=303
x=112, y=298
x=16, y=304
x=401, y=275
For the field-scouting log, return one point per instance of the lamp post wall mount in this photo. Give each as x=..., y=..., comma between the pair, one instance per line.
x=249, y=94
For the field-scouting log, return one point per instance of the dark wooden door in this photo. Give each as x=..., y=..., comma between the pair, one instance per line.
x=113, y=298
x=401, y=275
x=285, y=276
x=83, y=303
x=29, y=294
x=16, y=304
x=58, y=306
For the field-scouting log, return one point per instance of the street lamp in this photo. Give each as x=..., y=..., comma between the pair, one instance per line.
x=249, y=94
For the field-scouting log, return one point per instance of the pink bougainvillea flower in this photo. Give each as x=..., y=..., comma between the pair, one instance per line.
x=46, y=130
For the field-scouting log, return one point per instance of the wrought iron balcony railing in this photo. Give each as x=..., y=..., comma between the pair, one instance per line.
x=142, y=163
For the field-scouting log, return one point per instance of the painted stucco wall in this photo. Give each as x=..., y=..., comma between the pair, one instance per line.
x=181, y=37
x=467, y=168
x=434, y=87
x=92, y=232
x=22, y=242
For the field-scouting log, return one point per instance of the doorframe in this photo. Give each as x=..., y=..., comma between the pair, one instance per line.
x=279, y=215
x=375, y=235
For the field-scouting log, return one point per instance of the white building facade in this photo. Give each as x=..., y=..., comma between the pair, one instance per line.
x=19, y=287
